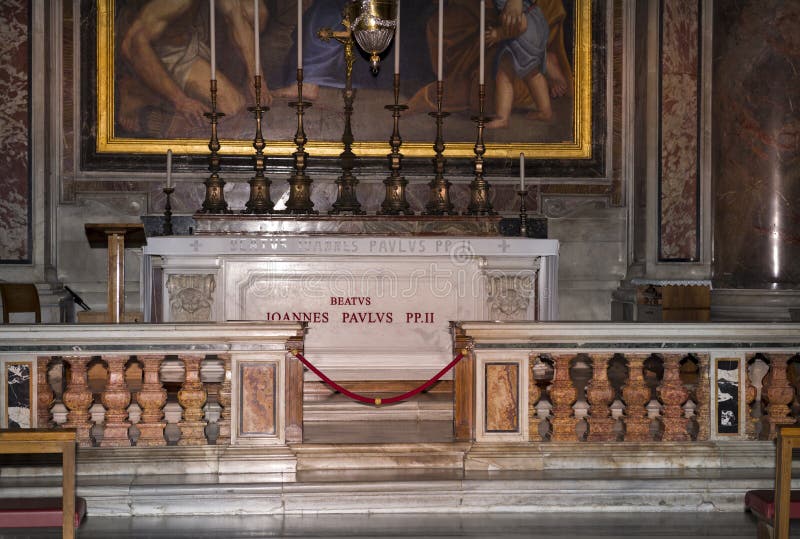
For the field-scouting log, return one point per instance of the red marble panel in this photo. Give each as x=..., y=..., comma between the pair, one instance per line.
x=257, y=398
x=680, y=48
x=502, y=397
x=15, y=200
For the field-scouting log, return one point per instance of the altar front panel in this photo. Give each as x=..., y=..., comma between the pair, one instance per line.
x=376, y=307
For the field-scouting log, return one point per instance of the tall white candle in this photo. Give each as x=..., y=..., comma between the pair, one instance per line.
x=169, y=168
x=255, y=37
x=299, y=34
x=521, y=171
x=213, y=33
x=482, y=38
x=441, y=38
x=397, y=42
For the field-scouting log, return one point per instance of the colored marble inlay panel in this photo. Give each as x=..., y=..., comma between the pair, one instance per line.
x=502, y=397
x=679, y=185
x=18, y=395
x=14, y=126
x=728, y=396
x=257, y=398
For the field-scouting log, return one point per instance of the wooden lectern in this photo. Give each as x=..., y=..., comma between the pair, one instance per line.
x=116, y=237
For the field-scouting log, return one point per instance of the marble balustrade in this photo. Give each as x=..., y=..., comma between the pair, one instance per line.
x=645, y=383
x=156, y=385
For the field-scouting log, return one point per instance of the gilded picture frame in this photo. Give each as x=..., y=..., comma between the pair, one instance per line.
x=459, y=137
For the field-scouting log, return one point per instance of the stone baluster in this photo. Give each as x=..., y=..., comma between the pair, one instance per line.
x=44, y=393
x=191, y=397
x=224, y=399
x=600, y=395
x=77, y=398
x=779, y=394
x=673, y=395
x=116, y=397
x=152, y=398
x=534, y=394
x=703, y=393
x=636, y=395
x=563, y=394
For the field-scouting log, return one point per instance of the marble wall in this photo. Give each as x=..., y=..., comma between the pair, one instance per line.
x=15, y=201
x=756, y=152
x=679, y=174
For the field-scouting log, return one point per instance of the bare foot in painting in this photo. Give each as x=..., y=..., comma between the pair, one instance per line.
x=558, y=83
x=539, y=116
x=497, y=123
x=310, y=92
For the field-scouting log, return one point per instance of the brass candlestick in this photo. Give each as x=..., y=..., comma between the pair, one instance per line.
x=395, y=202
x=299, y=183
x=215, y=197
x=167, y=228
x=479, y=203
x=439, y=199
x=260, y=200
x=523, y=214
x=346, y=199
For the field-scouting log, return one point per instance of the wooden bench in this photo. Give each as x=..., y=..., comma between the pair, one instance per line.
x=40, y=441
x=775, y=508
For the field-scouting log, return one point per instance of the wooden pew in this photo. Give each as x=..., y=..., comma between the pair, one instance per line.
x=29, y=441
x=775, y=509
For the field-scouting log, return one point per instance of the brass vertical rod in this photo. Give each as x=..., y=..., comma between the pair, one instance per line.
x=215, y=197
x=395, y=203
x=260, y=200
x=299, y=201
x=479, y=203
x=439, y=199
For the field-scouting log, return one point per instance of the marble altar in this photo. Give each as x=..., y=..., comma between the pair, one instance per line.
x=377, y=307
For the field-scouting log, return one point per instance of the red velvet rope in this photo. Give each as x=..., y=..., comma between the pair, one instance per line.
x=377, y=401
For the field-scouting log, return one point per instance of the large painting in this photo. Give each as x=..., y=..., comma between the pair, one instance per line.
x=153, y=77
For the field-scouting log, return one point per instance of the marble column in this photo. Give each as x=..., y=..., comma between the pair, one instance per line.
x=152, y=398
x=192, y=397
x=116, y=397
x=756, y=155
x=78, y=398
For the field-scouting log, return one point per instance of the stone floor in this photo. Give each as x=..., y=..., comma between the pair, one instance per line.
x=495, y=526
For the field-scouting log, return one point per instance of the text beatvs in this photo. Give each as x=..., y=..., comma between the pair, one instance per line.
x=341, y=300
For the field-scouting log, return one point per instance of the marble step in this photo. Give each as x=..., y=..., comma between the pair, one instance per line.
x=409, y=491
x=423, y=407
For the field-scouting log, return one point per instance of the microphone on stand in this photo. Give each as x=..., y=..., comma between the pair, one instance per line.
x=77, y=299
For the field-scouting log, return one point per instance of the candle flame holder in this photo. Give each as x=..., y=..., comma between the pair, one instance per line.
x=260, y=200
x=215, y=197
x=439, y=199
x=299, y=201
x=395, y=203
x=479, y=203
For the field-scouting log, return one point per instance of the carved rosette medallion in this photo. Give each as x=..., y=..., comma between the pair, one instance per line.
x=534, y=394
x=152, y=398
x=224, y=400
x=600, y=394
x=563, y=394
x=44, y=393
x=673, y=395
x=191, y=297
x=636, y=395
x=779, y=394
x=78, y=398
x=116, y=397
x=192, y=397
x=703, y=393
